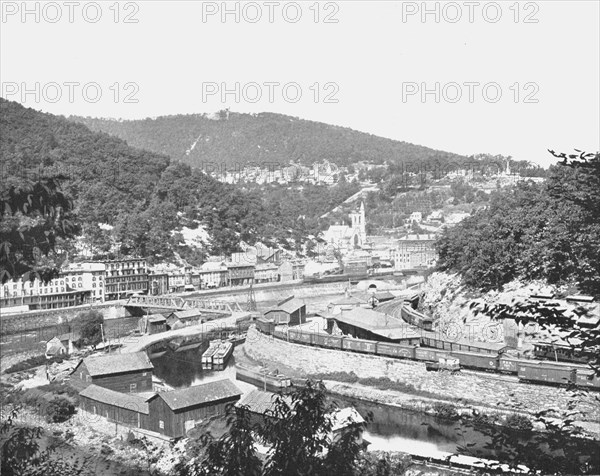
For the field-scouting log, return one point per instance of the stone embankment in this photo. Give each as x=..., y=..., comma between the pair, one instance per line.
x=464, y=388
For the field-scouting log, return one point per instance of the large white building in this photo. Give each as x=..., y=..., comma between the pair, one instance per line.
x=346, y=238
x=86, y=276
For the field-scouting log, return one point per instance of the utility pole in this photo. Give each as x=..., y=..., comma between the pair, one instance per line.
x=251, y=301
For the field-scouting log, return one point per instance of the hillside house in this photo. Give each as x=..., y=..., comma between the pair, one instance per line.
x=176, y=412
x=126, y=373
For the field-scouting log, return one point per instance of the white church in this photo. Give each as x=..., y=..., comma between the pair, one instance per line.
x=347, y=238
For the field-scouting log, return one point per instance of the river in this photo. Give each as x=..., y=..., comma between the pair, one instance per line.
x=391, y=428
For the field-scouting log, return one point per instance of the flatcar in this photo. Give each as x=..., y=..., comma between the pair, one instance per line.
x=360, y=345
x=472, y=360
x=396, y=350
x=328, y=341
x=548, y=373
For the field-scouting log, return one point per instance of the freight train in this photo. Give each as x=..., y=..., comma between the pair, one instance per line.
x=527, y=370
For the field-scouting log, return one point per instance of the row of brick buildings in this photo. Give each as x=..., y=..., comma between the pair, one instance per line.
x=80, y=283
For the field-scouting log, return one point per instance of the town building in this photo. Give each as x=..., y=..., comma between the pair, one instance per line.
x=22, y=296
x=372, y=325
x=291, y=271
x=240, y=274
x=346, y=238
x=266, y=273
x=88, y=276
x=213, y=274
x=176, y=412
x=125, y=277
x=415, y=251
x=159, y=283
x=291, y=311
x=127, y=373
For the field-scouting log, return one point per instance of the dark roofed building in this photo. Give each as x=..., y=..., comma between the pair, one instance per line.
x=174, y=413
x=371, y=325
x=291, y=311
x=129, y=372
x=124, y=408
x=153, y=324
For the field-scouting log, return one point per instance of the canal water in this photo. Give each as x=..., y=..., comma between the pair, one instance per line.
x=391, y=429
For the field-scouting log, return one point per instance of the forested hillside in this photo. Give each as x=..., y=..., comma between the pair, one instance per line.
x=548, y=231
x=145, y=197
x=233, y=139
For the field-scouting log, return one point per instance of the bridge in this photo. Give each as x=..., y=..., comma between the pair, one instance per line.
x=180, y=304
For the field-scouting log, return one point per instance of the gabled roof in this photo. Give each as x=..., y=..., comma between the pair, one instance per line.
x=377, y=323
x=187, y=314
x=118, y=363
x=128, y=401
x=384, y=295
x=200, y=394
x=156, y=318
x=289, y=305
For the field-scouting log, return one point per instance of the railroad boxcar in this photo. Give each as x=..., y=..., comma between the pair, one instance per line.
x=430, y=355
x=544, y=372
x=279, y=334
x=359, y=345
x=326, y=340
x=396, y=350
x=509, y=365
x=265, y=325
x=587, y=378
x=296, y=335
x=471, y=360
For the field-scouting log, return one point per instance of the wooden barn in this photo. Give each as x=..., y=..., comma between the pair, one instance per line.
x=176, y=412
x=127, y=373
x=123, y=408
x=290, y=311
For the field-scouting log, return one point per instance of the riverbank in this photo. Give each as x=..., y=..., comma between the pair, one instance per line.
x=468, y=390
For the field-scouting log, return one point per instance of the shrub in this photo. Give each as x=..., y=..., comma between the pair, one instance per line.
x=59, y=409
x=445, y=411
x=31, y=363
x=518, y=422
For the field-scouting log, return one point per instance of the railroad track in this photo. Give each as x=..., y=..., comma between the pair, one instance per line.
x=492, y=376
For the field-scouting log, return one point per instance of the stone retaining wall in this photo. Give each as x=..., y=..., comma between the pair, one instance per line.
x=490, y=390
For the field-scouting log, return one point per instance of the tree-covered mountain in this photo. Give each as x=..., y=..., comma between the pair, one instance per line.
x=145, y=198
x=548, y=231
x=232, y=139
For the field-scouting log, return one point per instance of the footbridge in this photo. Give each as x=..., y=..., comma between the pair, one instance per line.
x=180, y=304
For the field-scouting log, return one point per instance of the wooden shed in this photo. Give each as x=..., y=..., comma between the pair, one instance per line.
x=179, y=319
x=176, y=412
x=290, y=311
x=119, y=372
x=124, y=408
x=153, y=324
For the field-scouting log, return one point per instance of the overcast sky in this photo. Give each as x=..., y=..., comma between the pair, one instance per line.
x=512, y=78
